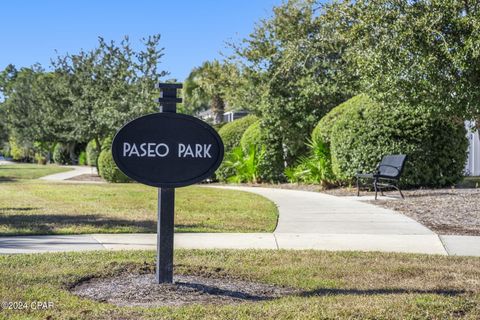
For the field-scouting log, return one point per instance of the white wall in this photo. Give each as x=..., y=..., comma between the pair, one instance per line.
x=472, y=167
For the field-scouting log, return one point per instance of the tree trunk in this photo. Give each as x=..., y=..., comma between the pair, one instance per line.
x=99, y=149
x=218, y=108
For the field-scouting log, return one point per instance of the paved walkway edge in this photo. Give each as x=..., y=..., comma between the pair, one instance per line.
x=77, y=171
x=428, y=244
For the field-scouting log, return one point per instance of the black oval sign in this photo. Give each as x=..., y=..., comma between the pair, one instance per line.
x=167, y=150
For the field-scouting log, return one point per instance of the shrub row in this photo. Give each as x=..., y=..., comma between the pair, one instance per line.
x=361, y=131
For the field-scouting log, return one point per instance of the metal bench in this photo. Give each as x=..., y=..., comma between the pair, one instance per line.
x=387, y=174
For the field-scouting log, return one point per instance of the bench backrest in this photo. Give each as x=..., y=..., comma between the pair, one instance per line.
x=392, y=166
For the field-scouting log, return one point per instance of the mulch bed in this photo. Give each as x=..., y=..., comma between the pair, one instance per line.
x=445, y=211
x=141, y=290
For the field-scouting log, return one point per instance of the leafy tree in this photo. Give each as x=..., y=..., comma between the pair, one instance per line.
x=422, y=52
x=195, y=99
x=37, y=109
x=211, y=83
x=297, y=60
x=209, y=86
x=111, y=85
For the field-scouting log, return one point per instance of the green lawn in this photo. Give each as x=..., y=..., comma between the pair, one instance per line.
x=347, y=285
x=37, y=207
x=28, y=171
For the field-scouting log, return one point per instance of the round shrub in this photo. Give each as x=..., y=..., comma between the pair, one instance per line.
x=322, y=131
x=108, y=170
x=361, y=131
x=92, y=153
x=232, y=132
x=61, y=154
x=251, y=137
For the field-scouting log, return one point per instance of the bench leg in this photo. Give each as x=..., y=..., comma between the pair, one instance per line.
x=401, y=194
x=398, y=188
x=375, y=187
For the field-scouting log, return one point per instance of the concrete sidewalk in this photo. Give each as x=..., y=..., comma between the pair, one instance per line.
x=307, y=220
x=330, y=242
x=319, y=213
x=75, y=172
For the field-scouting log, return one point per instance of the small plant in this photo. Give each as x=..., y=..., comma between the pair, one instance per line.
x=61, y=154
x=244, y=165
x=82, y=158
x=40, y=158
x=314, y=168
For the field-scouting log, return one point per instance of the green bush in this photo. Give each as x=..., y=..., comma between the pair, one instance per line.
x=40, y=158
x=231, y=134
x=20, y=152
x=315, y=168
x=82, y=158
x=244, y=165
x=107, y=143
x=108, y=170
x=323, y=132
x=5, y=150
x=61, y=154
x=360, y=132
x=251, y=137
x=92, y=153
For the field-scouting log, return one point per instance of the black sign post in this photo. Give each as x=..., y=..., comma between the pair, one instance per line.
x=166, y=198
x=167, y=150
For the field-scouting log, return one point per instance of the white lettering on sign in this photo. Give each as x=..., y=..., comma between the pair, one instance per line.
x=153, y=150
x=194, y=151
x=150, y=150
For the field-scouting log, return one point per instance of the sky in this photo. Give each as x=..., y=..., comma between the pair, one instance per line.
x=191, y=31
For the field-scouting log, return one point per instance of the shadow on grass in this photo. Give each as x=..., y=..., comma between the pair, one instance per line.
x=7, y=179
x=2, y=210
x=48, y=224
x=371, y=292
x=53, y=223
x=322, y=292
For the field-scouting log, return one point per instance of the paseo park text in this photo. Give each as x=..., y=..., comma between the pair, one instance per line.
x=161, y=150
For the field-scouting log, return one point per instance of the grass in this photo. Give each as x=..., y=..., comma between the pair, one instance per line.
x=37, y=207
x=28, y=171
x=333, y=285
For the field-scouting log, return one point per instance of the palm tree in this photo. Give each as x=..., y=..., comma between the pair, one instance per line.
x=206, y=83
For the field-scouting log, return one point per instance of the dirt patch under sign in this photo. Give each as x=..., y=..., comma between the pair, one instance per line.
x=141, y=290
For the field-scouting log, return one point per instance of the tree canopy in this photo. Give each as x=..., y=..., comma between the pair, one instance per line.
x=87, y=95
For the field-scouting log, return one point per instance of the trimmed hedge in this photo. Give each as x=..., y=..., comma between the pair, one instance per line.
x=231, y=134
x=92, y=153
x=251, y=137
x=360, y=131
x=107, y=168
